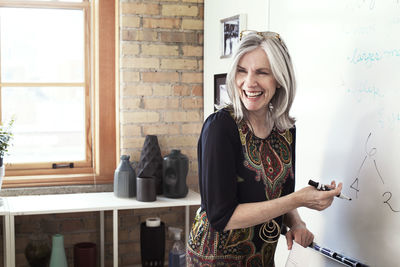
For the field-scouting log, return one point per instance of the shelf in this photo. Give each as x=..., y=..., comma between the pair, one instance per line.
x=64, y=203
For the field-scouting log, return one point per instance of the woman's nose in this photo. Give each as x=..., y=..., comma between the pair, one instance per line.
x=250, y=80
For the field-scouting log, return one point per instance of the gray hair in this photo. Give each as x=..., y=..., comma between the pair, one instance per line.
x=282, y=70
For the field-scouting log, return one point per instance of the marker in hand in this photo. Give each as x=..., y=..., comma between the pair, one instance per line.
x=323, y=187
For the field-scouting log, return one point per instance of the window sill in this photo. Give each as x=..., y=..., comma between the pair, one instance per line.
x=48, y=190
x=64, y=180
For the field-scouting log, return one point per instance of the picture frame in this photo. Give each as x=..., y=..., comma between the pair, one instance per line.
x=230, y=30
x=220, y=90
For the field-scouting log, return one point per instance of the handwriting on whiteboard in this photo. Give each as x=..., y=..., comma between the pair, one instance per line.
x=369, y=156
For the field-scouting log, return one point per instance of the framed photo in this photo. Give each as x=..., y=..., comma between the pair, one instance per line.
x=230, y=29
x=220, y=90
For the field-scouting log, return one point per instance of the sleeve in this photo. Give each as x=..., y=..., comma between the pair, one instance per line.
x=218, y=155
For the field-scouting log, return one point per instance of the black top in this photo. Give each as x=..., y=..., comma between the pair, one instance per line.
x=235, y=166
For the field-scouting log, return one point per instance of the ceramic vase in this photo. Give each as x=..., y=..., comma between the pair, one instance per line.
x=175, y=170
x=85, y=254
x=151, y=162
x=125, y=179
x=58, y=258
x=38, y=251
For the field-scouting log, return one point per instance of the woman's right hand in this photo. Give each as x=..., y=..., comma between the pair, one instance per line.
x=315, y=199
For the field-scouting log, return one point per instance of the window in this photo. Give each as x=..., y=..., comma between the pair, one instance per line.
x=52, y=64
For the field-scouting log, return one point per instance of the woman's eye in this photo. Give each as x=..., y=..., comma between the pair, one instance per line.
x=241, y=70
x=263, y=73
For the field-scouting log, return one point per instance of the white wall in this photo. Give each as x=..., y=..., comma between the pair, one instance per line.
x=214, y=11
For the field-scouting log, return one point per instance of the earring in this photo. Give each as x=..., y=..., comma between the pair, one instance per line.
x=270, y=106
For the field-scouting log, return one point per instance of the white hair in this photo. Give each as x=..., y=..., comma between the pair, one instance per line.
x=282, y=70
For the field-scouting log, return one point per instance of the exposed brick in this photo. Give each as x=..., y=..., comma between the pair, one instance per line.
x=72, y=226
x=150, y=63
x=177, y=141
x=140, y=8
x=192, y=77
x=130, y=76
x=181, y=90
x=161, y=129
x=137, y=90
x=192, y=103
x=180, y=64
x=160, y=77
x=127, y=130
x=160, y=103
x=181, y=116
x=197, y=90
x=138, y=117
x=192, y=51
x=132, y=142
x=193, y=1
x=179, y=37
x=130, y=22
x=130, y=103
x=192, y=24
x=160, y=50
x=162, y=90
x=179, y=10
x=164, y=23
x=138, y=35
x=130, y=48
x=191, y=128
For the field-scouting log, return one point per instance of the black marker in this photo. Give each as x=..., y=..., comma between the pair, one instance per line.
x=326, y=188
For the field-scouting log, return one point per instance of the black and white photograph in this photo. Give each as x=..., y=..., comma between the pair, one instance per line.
x=220, y=90
x=231, y=28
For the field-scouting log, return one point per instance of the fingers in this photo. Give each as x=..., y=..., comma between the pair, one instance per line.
x=289, y=240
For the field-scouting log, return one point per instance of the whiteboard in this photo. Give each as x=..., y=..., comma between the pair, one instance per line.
x=346, y=55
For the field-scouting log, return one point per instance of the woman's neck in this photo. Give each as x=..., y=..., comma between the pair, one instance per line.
x=260, y=125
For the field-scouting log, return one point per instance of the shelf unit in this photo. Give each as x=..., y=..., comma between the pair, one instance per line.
x=83, y=202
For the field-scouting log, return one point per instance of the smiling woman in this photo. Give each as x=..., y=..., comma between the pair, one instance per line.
x=48, y=82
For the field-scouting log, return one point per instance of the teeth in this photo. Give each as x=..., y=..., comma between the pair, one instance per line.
x=253, y=94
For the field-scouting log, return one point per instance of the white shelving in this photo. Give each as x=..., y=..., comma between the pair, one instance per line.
x=83, y=202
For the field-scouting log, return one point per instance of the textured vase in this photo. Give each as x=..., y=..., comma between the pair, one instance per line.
x=38, y=251
x=125, y=179
x=151, y=162
x=175, y=170
x=85, y=254
x=58, y=258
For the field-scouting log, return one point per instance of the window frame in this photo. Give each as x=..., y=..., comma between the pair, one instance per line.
x=102, y=122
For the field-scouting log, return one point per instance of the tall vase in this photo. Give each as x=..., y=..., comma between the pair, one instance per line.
x=58, y=258
x=150, y=164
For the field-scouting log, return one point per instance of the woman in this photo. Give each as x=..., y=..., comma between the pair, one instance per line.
x=246, y=155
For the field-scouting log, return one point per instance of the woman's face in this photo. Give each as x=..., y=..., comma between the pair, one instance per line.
x=255, y=81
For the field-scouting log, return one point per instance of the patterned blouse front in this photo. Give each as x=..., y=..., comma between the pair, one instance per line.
x=237, y=167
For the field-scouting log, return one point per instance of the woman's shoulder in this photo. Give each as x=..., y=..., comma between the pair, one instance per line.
x=221, y=121
x=221, y=117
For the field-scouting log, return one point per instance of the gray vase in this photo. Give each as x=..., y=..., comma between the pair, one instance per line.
x=125, y=179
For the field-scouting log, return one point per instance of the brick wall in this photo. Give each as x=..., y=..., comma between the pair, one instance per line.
x=161, y=93
x=162, y=76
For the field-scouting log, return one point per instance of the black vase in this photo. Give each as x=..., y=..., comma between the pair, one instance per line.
x=152, y=244
x=175, y=169
x=151, y=162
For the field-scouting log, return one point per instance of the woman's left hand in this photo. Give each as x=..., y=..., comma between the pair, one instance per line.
x=300, y=234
